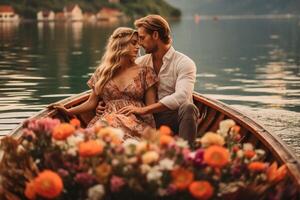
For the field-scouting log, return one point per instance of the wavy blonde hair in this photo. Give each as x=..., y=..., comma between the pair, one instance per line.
x=110, y=62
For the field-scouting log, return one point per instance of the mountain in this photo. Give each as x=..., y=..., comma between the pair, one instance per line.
x=229, y=7
x=29, y=8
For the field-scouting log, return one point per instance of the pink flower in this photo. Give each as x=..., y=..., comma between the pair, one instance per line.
x=186, y=154
x=171, y=189
x=63, y=172
x=28, y=134
x=84, y=179
x=42, y=125
x=116, y=183
x=199, y=158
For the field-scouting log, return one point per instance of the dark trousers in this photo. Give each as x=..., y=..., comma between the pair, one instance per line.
x=182, y=121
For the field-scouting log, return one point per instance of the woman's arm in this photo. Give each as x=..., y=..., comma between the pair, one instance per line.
x=88, y=105
x=150, y=96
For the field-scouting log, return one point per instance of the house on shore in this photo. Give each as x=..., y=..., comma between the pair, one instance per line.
x=73, y=13
x=7, y=14
x=114, y=1
x=89, y=17
x=110, y=15
x=45, y=15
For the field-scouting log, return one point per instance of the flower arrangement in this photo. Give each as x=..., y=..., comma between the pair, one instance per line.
x=55, y=160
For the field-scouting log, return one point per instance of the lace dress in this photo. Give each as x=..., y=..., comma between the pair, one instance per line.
x=133, y=94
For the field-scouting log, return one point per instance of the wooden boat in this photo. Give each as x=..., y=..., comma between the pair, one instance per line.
x=212, y=112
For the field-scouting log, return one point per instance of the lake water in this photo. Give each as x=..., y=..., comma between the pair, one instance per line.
x=251, y=64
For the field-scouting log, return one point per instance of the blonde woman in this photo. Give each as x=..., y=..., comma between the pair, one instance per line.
x=119, y=82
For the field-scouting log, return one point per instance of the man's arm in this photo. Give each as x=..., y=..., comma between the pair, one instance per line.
x=184, y=85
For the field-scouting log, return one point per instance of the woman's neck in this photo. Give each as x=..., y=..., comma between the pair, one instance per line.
x=126, y=63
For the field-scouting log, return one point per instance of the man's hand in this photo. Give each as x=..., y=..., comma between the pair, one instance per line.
x=127, y=110
x=100, y=108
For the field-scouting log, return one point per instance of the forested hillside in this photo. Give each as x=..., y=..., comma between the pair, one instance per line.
x=238, y=6
x=29, y=8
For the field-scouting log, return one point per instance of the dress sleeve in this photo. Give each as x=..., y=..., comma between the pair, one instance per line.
x=150, y=77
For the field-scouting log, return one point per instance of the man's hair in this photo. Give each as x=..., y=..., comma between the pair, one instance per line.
x=155, y=23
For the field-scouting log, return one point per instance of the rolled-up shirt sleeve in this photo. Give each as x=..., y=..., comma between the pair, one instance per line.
x=184, y=87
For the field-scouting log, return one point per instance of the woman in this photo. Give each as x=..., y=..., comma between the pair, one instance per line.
x=119, y=82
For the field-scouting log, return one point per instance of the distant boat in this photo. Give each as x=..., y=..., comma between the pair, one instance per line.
x=212, y=113
x=196, y=18
x=215, y=18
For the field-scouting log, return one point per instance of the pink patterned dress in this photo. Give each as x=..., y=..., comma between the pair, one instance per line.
x=132, y=94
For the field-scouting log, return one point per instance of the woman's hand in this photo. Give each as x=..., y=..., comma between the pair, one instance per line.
x=60, y=108
x=127, y=110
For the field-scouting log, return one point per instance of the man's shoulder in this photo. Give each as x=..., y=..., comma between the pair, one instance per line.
x=184, y=60
x=182, y=56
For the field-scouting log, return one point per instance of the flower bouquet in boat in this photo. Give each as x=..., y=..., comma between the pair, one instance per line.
x=55, y=160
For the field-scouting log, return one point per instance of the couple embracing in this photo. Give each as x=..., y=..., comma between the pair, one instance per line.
x=152, y=90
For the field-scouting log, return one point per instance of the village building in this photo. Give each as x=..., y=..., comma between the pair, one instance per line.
x=60, y=16
x=89, y=17
x=7, y=13
x=45, y=15
x=114, y=1
x=110, y=15
x=73, y=13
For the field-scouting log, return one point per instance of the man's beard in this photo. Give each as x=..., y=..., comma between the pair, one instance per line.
x=151, y=50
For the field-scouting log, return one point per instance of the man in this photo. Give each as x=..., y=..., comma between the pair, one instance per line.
x=176, y=73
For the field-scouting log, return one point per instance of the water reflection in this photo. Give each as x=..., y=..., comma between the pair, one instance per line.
x=77, y=33
x=45, y=27
x=8, y=30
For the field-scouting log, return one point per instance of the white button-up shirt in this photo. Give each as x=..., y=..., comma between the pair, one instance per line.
x=177, y=77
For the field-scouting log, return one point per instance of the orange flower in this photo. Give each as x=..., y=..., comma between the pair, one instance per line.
x=90, y=148
x=165, y=130
x=75, y=122
x=275, y=174
x=62, y=131
x=257, y=166
x=182, y=178
x=216, y=156
x=165, y=139
x=235, y=129
x=249, y=153
x=201, y=190
x=48, y=184
x=30, y=190
x=103, y=171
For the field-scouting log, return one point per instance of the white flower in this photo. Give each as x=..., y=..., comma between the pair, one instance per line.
x=130, y=142
x=240, y=153
x=224, y=127
x=154, y=174
x=72, y=151
x=182, y=143
x=96, y=192
x=61, y=144
x=112, y=132
x=166, y=164
x=211, y=138
x=260, y=152
x=145, y=168
x=248, y=147
x=75, y=140
x=119, y=133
